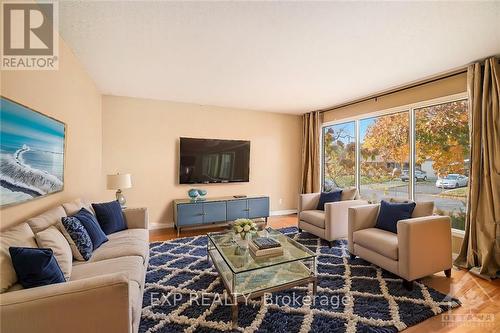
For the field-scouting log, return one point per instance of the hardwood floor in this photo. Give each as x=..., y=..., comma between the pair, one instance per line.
x=480, y=310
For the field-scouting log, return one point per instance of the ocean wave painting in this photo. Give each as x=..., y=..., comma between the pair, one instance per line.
x=31, y=153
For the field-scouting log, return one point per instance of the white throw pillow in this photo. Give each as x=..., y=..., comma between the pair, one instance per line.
x=19, y=236
x=52, y=238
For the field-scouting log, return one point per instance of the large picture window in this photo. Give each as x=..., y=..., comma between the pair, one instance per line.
x=419, y=153
x=442, y=156
x=384, y=156
x=339, y=156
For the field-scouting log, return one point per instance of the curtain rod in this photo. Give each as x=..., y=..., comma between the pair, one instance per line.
x=446, y=75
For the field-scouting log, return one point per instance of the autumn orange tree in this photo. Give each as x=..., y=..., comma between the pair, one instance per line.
x=441, y=136
x=388, y=139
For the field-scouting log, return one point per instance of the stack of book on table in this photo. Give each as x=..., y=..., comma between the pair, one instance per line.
x=265, y=247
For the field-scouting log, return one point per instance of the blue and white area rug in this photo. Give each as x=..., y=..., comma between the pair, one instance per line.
x=184, y=294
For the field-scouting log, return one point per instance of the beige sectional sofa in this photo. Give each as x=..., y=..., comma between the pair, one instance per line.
x=103, y=294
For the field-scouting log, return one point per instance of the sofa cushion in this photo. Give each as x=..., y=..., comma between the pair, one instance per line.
x=52, y=238
x=110, y=217
x=380, y=241
x=132, y=266
x=391, y=212
x=45, y=220
x=77, y=237
x=314, y=217
x=74, y=206
x=326, y=197
x=131, y=234
x=130, y=242
x=19, y=235
x=35, y=267
x=349, y=193
x=93, y=228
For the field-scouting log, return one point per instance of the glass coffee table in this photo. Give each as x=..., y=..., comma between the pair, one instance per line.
x=246, y=277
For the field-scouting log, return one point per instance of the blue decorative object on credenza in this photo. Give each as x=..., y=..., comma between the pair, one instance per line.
x=197, y=194
x=190, y=213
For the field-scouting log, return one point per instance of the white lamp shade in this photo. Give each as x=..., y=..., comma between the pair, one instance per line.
x=119, y=181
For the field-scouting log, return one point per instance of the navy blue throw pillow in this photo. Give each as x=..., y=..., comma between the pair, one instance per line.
x=35, y=267
x=93, y=228
x=390, y=213
x=325, y=197
x=110, y=217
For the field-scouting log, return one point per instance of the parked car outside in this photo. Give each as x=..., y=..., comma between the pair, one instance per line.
x=453, y=180
x=419, y=175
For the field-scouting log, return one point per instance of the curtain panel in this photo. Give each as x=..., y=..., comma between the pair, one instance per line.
x=480, y=250
x=310, y=152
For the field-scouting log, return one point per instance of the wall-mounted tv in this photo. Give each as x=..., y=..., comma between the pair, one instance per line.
x=204, y=161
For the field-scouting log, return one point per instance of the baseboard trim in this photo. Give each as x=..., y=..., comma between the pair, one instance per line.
x=157, y=226
x=283, y=212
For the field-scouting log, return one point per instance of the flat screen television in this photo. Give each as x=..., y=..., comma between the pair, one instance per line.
x=204, y=161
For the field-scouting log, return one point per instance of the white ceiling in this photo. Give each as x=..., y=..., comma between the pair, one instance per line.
x=288, y=57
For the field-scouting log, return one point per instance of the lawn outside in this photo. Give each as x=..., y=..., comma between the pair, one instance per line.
x=460, y=192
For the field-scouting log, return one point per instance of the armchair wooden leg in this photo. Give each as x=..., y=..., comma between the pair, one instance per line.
x=447, y=272
x=352, y=256
x=408, y=284
x=300, y=230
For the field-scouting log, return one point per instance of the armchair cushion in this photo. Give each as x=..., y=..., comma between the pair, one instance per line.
x=325, y=197
x=379, y=241
x=350, y=193
x=314, y=217
x=391, y=213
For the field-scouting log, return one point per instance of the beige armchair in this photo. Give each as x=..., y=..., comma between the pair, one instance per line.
x=331, y=223
x=421, y=247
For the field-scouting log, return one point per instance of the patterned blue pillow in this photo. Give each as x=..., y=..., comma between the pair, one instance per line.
x=77, y=237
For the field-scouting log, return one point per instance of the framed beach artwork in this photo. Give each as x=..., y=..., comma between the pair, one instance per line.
x=32, y=153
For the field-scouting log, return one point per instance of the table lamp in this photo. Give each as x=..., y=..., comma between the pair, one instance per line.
x=118, y=182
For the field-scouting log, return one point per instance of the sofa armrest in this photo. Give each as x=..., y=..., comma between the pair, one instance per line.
x=308, y=201
x=360, y=217
x=97, y=304
x=136, y=218
x=336, y=216
x=424, y=245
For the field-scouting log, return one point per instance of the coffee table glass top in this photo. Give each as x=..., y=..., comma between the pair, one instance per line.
x=240, y=260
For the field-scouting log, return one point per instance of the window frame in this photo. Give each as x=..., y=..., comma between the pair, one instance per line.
x=410, y=108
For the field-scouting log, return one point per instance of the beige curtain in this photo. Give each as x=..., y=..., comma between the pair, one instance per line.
x=480, y=250
x=310, y=152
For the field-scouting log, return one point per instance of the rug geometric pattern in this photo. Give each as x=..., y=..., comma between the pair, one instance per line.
x=361, y=297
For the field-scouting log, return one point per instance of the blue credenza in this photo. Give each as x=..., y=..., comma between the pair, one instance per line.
x=192, y=213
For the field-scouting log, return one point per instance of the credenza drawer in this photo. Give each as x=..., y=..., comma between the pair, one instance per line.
x=214, y=212
x=189, y=214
